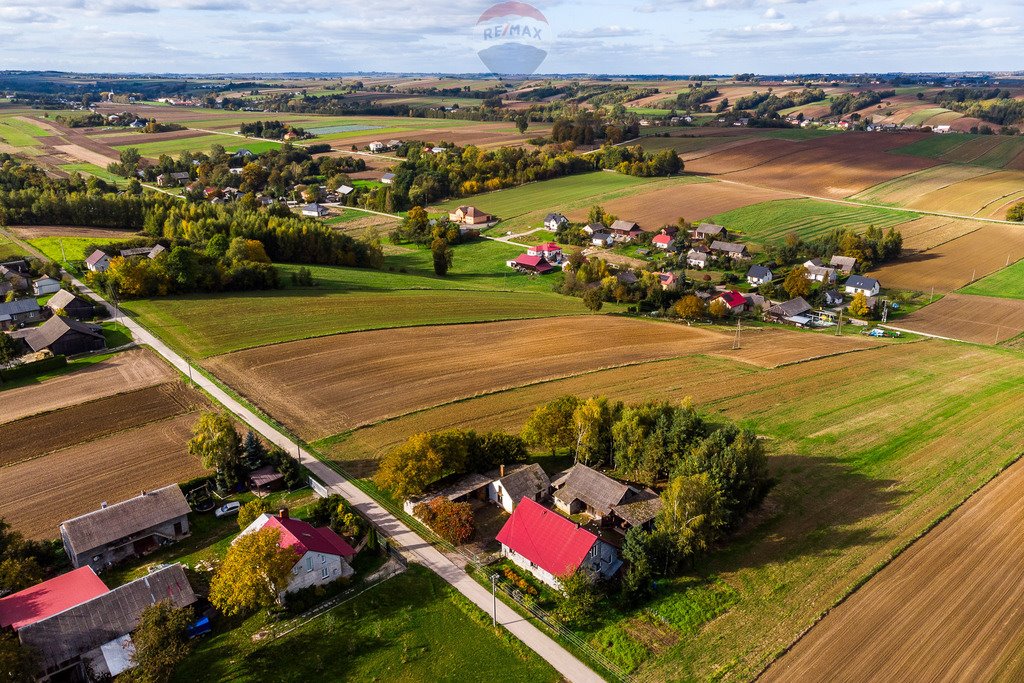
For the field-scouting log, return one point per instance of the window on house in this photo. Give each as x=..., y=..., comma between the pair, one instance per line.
x=309, y=563
x=325, y=572
x=323, y=559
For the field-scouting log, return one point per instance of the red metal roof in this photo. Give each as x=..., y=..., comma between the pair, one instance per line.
x=548, y=246
x=536, y=262
x=546, y=538
x=305, y=537
x=661, y=239
x=733, y=298
x=50, y=597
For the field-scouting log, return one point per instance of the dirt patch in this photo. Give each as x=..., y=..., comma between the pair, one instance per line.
x=981, y=319
x=101, y=159
x=37, y=435
x=35, y=231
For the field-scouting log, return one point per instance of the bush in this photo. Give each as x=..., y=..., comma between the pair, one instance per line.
x=248, y=513
x=34, y=368
x=451, y=521
x=311, y=596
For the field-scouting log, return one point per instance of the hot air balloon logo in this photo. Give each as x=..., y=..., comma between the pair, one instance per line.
x=514, y=38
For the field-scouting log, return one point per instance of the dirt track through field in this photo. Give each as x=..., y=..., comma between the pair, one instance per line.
x=967, y=317
x=121, y=372
x=37, y=495
x=951, y=608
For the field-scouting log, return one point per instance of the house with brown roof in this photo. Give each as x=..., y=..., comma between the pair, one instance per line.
x=844, y=264
x=469, y=215
x=131, y=528
x=514, y=484
x=623, y=231
x=62, y=335
x=585, y=490
x=709, y=231
x=98, y=261
x=71, y=305
x=733, y=250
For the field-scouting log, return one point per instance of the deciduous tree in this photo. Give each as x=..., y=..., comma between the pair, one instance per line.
x=254, y=572
x=859, y=305
x=577, y=601
x=250, y=511
x=796, y=282
x=215, y=442
x=551, y=425
x=451, y=521
x=689, y=308
x=161, y=642
x=692, y=513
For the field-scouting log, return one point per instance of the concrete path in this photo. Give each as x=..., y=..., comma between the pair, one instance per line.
x=403, y=538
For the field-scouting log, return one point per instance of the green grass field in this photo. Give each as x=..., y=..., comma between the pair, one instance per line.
x=955, y=147
x=935, y=146
x=682, y=144
x=20, y=133
x=526, y=205
x=203, y=143
x=648, y=111
x=9, y=249
x=71, y=249
x=772, y=221
x=411, y=628
x=94, y=170
x=478, y=288
x=800, y=134
x=919, y=117
x=799, y=108
x=1007, y=283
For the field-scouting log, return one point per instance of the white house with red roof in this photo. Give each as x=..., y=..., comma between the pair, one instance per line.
x=322, y=555
x=549, y=546
x=668, y=281
x=531, y=264
x=733, y=300
x=663, y=241
x=551, y=252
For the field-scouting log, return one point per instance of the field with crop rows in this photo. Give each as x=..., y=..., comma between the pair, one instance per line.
x=990, y=151
x=906, y=189
x=772, y=221
x=980, y=319
x=986, y=196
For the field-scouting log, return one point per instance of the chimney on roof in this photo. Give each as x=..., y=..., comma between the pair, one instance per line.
x=103, y=505
x=283, y=513
x=502, y=470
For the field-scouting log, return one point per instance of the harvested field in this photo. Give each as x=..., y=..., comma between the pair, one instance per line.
x=29, y=232
x=692, y=201
x=38, y=494
x=948, y=609
x=720, y=145
x=356, y=223
x=90, y=156
x=124, y=371
x=37, y=435
x=909, y=188
x=953, y=264
x=753, y=152
x=986, y=196
x=321, y=387
x=928, y=232
x=981, y=319
x=141, y=138
x=868, y=449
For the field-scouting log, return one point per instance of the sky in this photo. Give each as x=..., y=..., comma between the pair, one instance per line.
x=613, y=37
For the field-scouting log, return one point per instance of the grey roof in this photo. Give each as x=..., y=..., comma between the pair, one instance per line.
x=312, y=207
x=730, y=247
x=62, y=299
x=136, y=251
x=180, y=175
x=624, y=226
x=95, y=257
x=626, y=277
x=861, y=282
x=790, y=308
x=596, y=227
x=96, y=529
x=39, y=338
x=19, y=306
x=17, y=265
x=157, y=250
x=526, y=481
x=694, y=255
x=593, y=488
x=84, y=627
x=555, y=217
x=388, y=176
x=641, y=509
x=709, y=229
x=759, y=272
x=846, y=263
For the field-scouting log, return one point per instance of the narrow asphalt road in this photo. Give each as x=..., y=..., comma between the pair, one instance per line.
x=403, y=538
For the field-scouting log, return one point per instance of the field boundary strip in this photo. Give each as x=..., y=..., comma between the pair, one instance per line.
x=899, y=550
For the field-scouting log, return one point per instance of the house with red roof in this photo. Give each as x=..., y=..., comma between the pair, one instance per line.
x=663, y=241
x=735, y=301
x=531, y=264
x=50, y=597
x=549, y=546
x=551, y=252
x=322, y=555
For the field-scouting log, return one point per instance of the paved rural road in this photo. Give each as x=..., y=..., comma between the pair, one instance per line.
x=403, y=537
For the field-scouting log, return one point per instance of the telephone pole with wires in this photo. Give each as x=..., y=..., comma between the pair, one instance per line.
x=739, y=330
x=839, y=326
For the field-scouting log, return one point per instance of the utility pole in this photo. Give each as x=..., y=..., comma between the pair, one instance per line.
x=933, y=295
x=839, y=327
x=736, y=343
x=885, y=310
x=494, y=599
x=64, y=258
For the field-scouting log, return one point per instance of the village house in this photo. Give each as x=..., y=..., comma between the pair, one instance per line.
x=663, y=241
x=623, y=231
x=63, y=335
x=668, y=281
x=602, y=239
x=709, y=231
x=45, y=285
x=731, y=249
x=176, y=178
x=793, y=311
x=71, y=305
x=868, y=286
x=698, y=258
x=469, y=215
x=549, y=546
x=819, y=272
x=554, y=221
x=388, y=178
x=134, y=251
x=583, y=489
x=322, y=556
x=733, y=300
x=844, y=264
x=833, y=298
x=759, y=275
x=315, y=210
x=15, y=279
x=80, y=629
x=376, y=147
x=515, y=484
x=530, y=264
x=591, y=228
x=14, y=314
x=131, y=528
x=551, y=252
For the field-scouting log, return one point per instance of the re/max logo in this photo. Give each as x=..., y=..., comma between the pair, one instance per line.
x=511, y=31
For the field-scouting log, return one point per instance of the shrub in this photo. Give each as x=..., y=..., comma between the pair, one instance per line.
x=451, y=521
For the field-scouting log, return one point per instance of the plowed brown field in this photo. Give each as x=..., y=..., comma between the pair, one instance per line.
x=953, y=264
x=929, y=232
x=38, y=494
x=948, y=609
x=37, y=435
x=121, y=372
x=967, y=317
x=29, y=232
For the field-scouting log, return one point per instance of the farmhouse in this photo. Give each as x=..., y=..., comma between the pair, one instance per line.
x=20, y=312
x=134, y=527
x=844, y=264
x=63, y=335
x=49, y=597
x=759, y=275
x=623, y=231
x=663, y=241
x=531, y=264
x=173, y=179
x=550, y=546
x=388, y=178
x=833, y=298
x=45, y=285
x=469, y=215
x=709, y=231
x=731, y=249
x=14, y=278
x=135, y=251
x=322, y=555
x=554, y=221
x=592, y=228
x=583, y=489
x=71, y=305
x=793, y=311
x=733, y=300
x=819, y=272
x=602, y=239
x=376, y=147
x=668, y=281
x=95, y=632
x=314, y=210
x=345, y=190
x=698, y=258
x=523, y=482
x=551, y=252
x=858, y=283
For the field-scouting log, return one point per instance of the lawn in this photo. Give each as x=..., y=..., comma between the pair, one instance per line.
x=231, y=143
x=478, y=288
x=1007, y=283
x=94, y=170
x=70, y=249
x=648, y=111
x=19, y=133
x=526, y=205
x=976, y=150
x=9, y=250
x=808, y=218
x=919, y=117
x=413, y=627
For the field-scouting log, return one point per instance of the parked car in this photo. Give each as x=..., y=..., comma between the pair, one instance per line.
x=228, y=509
